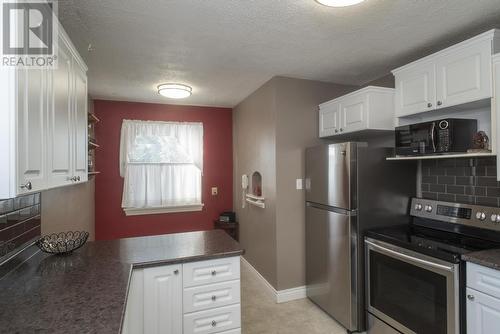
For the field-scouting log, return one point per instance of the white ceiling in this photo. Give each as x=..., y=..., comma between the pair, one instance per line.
x=225, y=49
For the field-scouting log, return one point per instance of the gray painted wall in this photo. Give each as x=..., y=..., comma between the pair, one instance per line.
x=254, y=149
x=271, y=129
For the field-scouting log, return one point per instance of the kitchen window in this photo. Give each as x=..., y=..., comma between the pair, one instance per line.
x=162, y=166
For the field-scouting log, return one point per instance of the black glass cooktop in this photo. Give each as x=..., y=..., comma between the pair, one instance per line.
x=440, y=244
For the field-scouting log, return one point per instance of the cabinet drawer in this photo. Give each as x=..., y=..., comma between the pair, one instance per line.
x=213, y=321
x=211, y=296
x=211, y=271
x=483, y=279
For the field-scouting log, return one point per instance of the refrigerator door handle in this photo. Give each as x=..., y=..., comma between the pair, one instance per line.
x=332, y=209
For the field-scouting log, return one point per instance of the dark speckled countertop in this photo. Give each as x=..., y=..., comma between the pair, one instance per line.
x=85, y=292
x=488, y=258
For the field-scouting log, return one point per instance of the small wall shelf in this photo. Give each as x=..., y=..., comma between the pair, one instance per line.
x=443, y=156
x=93, y=118
x=257, y=202
x=93, y=145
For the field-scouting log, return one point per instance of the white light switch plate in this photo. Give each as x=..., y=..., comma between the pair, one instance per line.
x=298, y=184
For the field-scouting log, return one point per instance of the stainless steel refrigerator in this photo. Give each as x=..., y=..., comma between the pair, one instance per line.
x=350, y=187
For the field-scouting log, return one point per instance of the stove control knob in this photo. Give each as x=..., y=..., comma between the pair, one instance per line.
x=480, y=215
x=418, y=207
x=498, y=219
x=428, y=208
x=494, y=218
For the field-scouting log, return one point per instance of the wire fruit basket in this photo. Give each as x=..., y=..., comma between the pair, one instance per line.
x=62, y=243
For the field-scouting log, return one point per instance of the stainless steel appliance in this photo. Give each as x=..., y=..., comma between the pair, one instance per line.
x=349, y=188
x=414, y=273
x=436, y=137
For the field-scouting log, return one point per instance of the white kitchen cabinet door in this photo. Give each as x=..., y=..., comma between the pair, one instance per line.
x=163, y=300
x=483, y=313
x=60, y=127
x=464, y=75
x=329, y=119
x=31, y=125
x=353, y=114
x=80, y=124
x=495, y=110
x=416, y=89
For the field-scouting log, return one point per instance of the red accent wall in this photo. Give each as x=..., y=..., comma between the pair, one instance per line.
x=110, y=220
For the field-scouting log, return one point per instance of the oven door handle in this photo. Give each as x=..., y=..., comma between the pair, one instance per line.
x=433, y=137
x=399, y=255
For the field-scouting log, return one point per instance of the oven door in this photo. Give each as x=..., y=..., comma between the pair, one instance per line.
x=412, y=292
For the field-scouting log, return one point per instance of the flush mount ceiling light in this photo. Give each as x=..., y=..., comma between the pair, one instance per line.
x=174, y=90
x=339, y=3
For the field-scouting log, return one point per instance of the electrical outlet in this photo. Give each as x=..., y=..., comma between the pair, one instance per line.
x=298, y=184
x=215, y=191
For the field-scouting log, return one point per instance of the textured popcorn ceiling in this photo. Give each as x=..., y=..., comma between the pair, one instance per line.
x=225, y=49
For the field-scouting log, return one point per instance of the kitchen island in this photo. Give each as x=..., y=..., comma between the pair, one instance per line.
x=86, y=291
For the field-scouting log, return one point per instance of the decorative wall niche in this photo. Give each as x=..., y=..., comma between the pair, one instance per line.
x=255, y=196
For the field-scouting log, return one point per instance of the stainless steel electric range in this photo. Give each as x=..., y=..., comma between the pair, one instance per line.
x=414, y=273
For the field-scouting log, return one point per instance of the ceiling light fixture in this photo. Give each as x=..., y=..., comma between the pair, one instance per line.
x=339, y=3
x=174, y=90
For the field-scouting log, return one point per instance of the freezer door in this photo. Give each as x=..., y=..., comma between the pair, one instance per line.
x=329, y=175
x=330, y=264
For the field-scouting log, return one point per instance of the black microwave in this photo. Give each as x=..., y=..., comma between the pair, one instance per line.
x=450, y=135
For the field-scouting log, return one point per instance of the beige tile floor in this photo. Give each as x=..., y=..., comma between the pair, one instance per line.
x=261, y=315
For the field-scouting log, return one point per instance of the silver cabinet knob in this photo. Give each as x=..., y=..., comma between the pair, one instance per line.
x=78, y=178
x=214, y=272
x=27, y=186
x=470, y=297
x=176, y=272
x=336, y=131
x=439, y=103
x=214, y=323
x=429, y=105
x=214, y=298
x=341, y=129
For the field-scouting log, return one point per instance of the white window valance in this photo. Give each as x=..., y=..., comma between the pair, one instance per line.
x=162, y=166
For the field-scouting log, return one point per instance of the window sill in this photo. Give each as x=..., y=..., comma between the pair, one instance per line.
x=161, y=210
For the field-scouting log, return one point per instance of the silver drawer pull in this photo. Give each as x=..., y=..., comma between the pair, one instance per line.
x=470, y=297
x=214, y=272
x=214, y=298
x=27, y=186
x=214, y=323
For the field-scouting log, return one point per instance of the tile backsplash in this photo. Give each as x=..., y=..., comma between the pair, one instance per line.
x=463, y=180
x=19, y=222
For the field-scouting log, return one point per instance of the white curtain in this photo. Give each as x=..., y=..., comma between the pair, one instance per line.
x=161, y=163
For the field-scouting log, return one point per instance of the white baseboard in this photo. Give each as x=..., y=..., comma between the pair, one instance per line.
x=280, y=296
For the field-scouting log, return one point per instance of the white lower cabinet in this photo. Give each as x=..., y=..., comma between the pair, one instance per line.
x=197, y=297
x=483, y=300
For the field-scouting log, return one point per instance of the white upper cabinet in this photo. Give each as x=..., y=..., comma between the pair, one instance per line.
x=329, y=119
x=43, y=124
x=31, y=128
x=416, y=89
x=457, y=75
x=80, y=124
x=370, y=108
x=60, y=132
x=464, y=75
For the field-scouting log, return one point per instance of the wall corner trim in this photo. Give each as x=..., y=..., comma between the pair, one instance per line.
x=279, y=296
